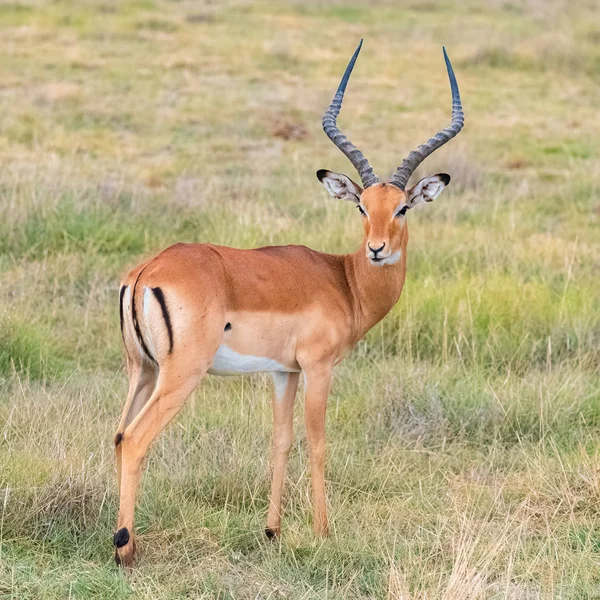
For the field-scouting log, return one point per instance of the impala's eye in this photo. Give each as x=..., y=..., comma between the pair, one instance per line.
x=402, y=211
x=361, y=210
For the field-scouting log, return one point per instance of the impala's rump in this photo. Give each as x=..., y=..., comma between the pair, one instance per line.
x=146, y=325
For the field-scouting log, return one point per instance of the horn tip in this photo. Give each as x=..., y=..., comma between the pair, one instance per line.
x=451, y=75
x=446, y=57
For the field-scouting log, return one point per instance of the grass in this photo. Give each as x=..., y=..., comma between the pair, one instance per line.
x=463, y=451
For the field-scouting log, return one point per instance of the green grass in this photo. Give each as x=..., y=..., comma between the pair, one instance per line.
x=463, y=452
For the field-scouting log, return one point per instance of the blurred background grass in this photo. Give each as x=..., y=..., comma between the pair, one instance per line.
x=463, y=456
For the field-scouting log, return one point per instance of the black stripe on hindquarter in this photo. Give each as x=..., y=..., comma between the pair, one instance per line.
x=121, y=294
x=160, y=297
x=136, y=324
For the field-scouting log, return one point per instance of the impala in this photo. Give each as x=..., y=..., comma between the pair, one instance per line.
x=200, y=308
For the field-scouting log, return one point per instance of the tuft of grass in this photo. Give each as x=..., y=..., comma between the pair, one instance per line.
x=27, y=349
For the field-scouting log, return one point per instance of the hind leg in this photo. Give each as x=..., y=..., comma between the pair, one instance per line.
x=142, y=381
x=172, y=389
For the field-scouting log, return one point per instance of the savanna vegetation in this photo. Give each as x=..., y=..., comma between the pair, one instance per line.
x=463, y=432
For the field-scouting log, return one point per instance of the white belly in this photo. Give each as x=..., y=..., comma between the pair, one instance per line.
x=229, y=362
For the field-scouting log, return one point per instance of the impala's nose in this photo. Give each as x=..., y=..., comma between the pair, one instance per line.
x=375, y=251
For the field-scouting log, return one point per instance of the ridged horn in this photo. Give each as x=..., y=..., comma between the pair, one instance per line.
x=361, y=164
x=416, y=157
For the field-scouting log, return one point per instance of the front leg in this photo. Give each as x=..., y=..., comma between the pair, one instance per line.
x=284, y=394
x=318, y=381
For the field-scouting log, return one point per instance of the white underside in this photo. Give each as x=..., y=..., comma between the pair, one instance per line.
x=229, y=362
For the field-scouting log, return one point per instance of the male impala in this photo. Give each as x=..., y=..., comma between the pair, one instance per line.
x=199, y=308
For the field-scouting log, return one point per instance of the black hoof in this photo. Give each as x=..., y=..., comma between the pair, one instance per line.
x=270, y=533
x=121, y=537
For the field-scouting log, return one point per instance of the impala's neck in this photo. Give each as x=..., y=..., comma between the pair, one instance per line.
x=375, y=289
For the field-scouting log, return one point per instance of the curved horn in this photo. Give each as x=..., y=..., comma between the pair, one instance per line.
x=361, y=164
x=416, y=157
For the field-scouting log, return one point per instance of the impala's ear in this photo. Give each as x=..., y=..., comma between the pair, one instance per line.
x=428, y=189
x=340, y=186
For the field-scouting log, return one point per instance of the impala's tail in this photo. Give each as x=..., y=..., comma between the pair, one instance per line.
x=146, y=324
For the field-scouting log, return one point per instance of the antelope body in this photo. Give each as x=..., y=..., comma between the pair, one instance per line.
x=201, y=308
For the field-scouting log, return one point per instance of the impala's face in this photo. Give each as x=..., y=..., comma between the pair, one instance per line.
x=383, y=208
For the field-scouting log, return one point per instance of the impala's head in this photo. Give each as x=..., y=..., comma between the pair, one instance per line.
x=383, y=206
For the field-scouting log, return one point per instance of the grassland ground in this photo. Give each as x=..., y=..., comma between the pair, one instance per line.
x=463, y=432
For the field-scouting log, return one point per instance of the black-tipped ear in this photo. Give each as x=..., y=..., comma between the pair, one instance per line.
x=340, y=186
x=428, y=189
